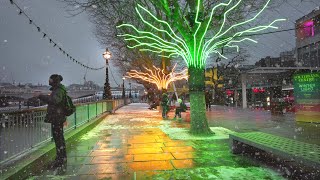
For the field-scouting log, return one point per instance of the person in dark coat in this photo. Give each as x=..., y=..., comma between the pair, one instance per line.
x=178, y=106
x=165, y=105
x=56, y=116
x=208, y=100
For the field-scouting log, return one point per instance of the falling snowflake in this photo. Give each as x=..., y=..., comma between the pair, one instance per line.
x=94, y=6
x=298, y=129
x=44, y=129
x=5, y=40
x=5, y=152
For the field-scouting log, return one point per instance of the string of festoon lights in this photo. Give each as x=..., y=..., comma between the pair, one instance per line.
x=51, y=40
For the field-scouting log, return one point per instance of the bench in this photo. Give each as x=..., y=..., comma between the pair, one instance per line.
x=297, y=152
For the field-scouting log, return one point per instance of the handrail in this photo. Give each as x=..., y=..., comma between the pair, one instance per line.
x=22, y=131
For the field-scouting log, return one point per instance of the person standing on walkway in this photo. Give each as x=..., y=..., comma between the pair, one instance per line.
x=208, y=100
x=165, y=105
x=56, y=116
x=178, y=108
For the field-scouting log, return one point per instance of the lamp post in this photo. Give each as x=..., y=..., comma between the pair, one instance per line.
x=123, y=92
x=130, y=95
x=107, y=90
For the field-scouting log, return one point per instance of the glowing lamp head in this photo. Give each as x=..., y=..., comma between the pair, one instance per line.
x=107, y=54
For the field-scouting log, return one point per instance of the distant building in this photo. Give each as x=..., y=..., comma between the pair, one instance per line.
x=74, y=87
x=287, y=59
x=212, y=77
x=245, y=67
x=269, y=62
x=88, y=85
x=116, y=92
x=308, y=39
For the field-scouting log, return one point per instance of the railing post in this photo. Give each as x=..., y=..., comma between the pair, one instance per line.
x=96, y=109
x=75, y=119
x=88, y=110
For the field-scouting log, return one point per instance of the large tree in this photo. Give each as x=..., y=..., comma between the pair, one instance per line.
x=189, y=29
x=193, y=37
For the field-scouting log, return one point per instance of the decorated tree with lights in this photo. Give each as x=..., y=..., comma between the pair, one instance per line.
x=193, y=39
x=203, y=27
x=158, y=76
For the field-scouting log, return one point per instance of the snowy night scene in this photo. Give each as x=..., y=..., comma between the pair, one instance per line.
x=160, y=89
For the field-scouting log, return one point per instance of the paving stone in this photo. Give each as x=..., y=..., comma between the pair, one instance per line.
x=151, y=165
x=184, y=155
x=111, y=159
x=178, y=149
x=153, y=157
x=183, y=163
x=145, y=150
x=147, y=145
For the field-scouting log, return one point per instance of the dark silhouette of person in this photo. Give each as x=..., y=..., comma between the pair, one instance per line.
x=165, y=105
x=56, y=116
x=208, y=100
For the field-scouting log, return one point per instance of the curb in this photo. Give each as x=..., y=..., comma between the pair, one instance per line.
x=35, y=161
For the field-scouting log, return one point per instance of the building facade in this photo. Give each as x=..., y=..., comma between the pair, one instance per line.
x=287, y=59
x=269, y=62
x=308, y=39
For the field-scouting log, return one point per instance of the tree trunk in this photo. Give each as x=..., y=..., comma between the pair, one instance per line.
x=199, y=123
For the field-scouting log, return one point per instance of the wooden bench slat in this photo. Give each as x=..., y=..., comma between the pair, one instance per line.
x=284, y=147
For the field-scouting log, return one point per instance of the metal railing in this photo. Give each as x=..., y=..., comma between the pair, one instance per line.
x=21, y=132
x=22, y=107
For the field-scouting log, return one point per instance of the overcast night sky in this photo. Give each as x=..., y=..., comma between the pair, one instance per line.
x=26, y=57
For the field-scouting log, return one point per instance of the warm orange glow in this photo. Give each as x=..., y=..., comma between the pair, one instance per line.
x=158, y=77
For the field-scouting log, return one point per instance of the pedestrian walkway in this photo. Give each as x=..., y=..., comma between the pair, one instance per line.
x=131, y=145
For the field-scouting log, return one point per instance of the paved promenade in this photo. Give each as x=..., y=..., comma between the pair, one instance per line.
x=132, y=144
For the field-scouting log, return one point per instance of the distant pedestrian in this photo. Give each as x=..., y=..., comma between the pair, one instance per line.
x=208, y=100
x=56, y=116
x=153, y=105
x=178, y=106
x=165, y=105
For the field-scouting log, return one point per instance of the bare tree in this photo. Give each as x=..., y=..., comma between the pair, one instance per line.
x=191, y=29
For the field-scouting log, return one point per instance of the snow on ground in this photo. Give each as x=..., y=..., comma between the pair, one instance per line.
x=183, y=133
x=221, y=172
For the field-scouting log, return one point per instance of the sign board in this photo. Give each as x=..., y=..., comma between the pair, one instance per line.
x=307, y=96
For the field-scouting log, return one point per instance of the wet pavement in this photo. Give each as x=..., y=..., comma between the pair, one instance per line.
x=131, y=144
x=248, y=120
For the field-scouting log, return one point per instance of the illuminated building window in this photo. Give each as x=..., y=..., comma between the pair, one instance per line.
x=306, y=29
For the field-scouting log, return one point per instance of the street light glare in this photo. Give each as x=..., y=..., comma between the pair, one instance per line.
x=107, y=54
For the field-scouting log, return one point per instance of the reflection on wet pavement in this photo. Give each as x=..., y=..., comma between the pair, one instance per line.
x=240, y=120
x=125, y=146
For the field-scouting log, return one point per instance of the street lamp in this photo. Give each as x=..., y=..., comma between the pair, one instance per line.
x=107, y=90
x=130, y=95
x=123, y=92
